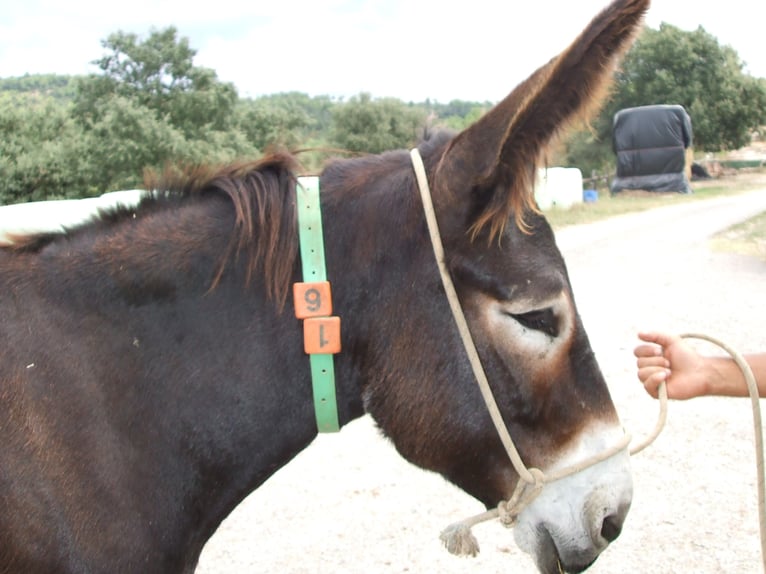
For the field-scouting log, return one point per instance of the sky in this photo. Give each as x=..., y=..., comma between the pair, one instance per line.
x=475, y=50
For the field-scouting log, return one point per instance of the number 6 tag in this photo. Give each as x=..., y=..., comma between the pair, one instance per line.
x=312, y=299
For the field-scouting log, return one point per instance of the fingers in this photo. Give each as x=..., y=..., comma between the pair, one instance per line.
x=659, y=338
x=647, y=351
x=654, y=361
x=652, y=371
x=653, y=367
x=652, y=377
x=651, y=360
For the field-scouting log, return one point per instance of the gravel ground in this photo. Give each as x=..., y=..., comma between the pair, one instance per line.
x=350, y=504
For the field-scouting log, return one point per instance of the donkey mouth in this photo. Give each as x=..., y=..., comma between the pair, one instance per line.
x=549, y=559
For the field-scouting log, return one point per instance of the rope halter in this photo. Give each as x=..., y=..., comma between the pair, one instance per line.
x=458, y=537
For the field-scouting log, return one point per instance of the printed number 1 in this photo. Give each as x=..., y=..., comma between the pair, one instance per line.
x=321, y=335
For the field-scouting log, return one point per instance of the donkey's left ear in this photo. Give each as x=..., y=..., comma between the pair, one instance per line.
x=493, y=163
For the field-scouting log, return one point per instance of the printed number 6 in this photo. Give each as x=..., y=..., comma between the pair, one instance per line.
x=313, y=299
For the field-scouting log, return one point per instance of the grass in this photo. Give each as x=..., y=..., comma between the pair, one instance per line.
x=748, y=237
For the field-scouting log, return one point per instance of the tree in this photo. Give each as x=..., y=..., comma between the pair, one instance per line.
x=670, y=66
x=151, y=106
x=373, y=126
x=42, y=152
x=61, y=88
x=459, y=114
x=280, y=119
x=459, y=123
x=127, y=139
x=159, y=74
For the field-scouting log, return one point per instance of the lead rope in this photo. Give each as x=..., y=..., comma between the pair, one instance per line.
x=752, y=389
x=457, y=537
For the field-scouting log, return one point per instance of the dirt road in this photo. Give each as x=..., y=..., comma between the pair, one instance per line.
x=350, y=504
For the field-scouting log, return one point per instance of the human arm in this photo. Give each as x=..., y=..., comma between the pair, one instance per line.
x=688, y=374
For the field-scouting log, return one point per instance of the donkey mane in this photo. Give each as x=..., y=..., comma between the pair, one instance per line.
x=262, y=193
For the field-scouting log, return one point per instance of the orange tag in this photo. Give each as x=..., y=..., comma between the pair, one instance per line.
x=321, y=335
x=312, y=299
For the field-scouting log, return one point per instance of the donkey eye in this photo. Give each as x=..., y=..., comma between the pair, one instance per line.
x=543, y=320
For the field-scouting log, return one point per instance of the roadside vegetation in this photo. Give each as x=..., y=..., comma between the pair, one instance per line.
x=627, y=201
x=149, y=105
x=746, y=238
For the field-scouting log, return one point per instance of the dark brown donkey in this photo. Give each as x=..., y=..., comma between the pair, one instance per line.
x=152, y=373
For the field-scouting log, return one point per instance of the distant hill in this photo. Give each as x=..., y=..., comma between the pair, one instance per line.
x=56, y=86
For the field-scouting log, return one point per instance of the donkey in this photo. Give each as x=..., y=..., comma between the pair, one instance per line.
x=152, y=372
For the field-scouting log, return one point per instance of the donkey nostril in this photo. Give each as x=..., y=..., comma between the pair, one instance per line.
x=611, y=527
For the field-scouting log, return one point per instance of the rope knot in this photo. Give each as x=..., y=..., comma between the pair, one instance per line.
x=507, y=514
x=526, y=491
x=458, y=538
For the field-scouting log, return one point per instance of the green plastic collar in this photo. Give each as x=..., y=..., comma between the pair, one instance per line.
x=313, y=263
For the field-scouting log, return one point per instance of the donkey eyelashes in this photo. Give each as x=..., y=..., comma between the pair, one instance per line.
x=543, y=320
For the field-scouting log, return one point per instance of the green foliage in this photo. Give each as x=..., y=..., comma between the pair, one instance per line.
x=60, y=88
x=458, y=114
x=63, y=136
x=670, y=66
x=458, y=123
x=127, y=139
x=373, y=126
x=158, y=73
x=280, y=120
x=151, y=106
x=41, y=155
x=585, y=151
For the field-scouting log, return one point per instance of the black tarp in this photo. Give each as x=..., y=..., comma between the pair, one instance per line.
x=650, y=143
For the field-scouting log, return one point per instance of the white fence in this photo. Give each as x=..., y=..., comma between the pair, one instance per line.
x=57, y=216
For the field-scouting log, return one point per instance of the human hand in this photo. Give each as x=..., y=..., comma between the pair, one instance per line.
x=669, y=358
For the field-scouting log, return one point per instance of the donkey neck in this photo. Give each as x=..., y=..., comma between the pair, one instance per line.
x=207, y=388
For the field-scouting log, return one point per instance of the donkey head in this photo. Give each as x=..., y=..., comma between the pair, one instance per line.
x=514, y=288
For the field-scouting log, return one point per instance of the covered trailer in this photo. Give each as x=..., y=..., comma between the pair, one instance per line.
x=651, y=143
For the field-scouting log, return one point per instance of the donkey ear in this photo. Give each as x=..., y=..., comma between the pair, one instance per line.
x=494, y=161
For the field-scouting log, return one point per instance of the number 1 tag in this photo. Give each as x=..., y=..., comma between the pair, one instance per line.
x=321, y=335
x=312, y=299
